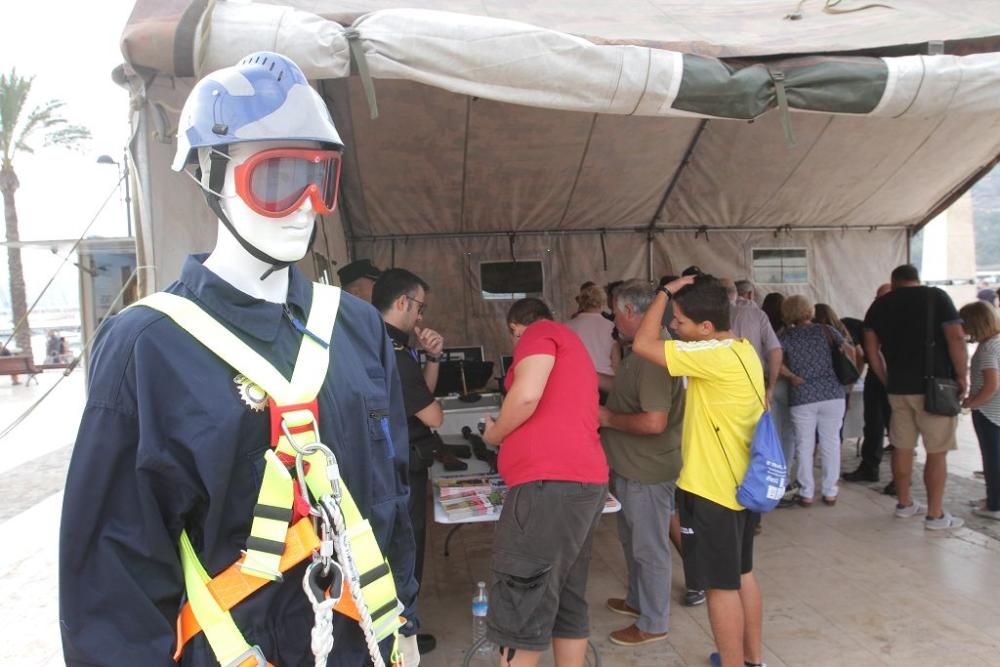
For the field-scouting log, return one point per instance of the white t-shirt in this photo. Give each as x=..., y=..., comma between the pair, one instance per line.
x=595, y=332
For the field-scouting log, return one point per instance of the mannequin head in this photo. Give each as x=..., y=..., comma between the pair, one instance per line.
x=286, y=238
x=267, y=203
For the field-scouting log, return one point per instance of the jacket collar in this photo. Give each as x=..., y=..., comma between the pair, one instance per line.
x=261, y=319
x=398, y=336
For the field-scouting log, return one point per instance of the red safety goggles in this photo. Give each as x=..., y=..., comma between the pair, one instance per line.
x=275, y=182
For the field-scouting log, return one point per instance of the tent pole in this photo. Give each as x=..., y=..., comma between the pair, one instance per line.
x=579, y=170
x=649, y=256
x=957, y=192
x=677, y=173
x=465, y=159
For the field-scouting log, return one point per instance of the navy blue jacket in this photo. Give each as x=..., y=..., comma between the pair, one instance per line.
x=166, y=444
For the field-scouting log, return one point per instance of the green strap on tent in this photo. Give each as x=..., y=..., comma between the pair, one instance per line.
x=778, y=77
x=358, y=55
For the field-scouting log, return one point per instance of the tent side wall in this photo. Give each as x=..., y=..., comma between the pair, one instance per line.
x=844, y=268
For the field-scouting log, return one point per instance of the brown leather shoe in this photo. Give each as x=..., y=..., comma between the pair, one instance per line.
x=633, y=636
x=619, y=606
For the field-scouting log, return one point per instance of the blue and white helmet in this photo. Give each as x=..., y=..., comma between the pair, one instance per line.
x=264, y=97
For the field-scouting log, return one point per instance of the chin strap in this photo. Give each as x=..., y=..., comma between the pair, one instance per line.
x=216, y=179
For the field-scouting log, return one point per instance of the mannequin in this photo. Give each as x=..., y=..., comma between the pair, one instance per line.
x=286, y=240
x=174, y=442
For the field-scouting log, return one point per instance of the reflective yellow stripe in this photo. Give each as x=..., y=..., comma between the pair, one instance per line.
x=223, y=636
x=314, y=359
x=275, y=491
x=310, y=366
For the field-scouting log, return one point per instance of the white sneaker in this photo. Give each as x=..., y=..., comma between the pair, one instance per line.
x=913, y=509
x=946, y=522
x=987, y=514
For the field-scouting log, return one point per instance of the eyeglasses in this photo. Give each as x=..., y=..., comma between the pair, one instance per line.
x=276, y=182
x=421, y=305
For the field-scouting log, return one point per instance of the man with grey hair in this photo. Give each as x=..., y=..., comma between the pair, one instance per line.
x=641, y=433
x=750, y=322
x=746, y=291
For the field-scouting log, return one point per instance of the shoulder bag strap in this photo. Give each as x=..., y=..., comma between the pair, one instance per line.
x=716, y=428
x=929, y=336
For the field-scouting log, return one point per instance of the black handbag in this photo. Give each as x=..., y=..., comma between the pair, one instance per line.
x=845, y=370
x=941, y=395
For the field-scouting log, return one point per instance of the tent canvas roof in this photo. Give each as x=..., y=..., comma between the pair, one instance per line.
x=503, y=120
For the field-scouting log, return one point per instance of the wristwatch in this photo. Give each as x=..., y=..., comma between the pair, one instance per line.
x=663, y=288
x=434, y=359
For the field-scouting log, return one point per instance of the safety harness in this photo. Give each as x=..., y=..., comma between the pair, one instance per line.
x=303, y=508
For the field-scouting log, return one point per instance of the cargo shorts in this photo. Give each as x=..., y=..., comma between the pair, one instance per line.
x=541, y=560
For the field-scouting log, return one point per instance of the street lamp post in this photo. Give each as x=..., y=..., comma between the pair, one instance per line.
x=123, y=165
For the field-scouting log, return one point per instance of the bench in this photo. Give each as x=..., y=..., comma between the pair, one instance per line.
x=19, y=365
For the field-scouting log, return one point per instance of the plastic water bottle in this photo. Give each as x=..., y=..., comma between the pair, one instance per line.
x=480, y=606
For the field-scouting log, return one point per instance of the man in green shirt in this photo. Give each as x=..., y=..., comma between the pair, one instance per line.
x=641, y=433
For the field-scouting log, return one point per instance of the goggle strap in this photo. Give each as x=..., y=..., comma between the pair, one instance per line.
x=216, y=179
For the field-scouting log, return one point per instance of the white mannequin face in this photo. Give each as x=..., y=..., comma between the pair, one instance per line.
x=285, y=239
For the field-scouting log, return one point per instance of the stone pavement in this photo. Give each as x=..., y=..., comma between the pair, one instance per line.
x=847, y=585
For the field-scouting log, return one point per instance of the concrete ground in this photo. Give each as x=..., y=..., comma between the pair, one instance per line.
x=847, y=585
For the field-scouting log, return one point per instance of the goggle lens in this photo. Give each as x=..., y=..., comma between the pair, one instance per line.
x=276, y=182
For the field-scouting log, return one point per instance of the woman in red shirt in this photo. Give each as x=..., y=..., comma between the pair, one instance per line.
x=552, y=460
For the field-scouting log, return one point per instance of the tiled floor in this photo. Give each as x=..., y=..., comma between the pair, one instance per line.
x=848, y=585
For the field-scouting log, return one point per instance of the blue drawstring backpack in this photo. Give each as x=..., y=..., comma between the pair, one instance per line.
x=763, y=484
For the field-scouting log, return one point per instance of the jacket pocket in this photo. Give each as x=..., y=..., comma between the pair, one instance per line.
x=377, y=414
x=517, y=599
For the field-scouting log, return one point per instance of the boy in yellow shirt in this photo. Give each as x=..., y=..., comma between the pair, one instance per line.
x=725, y=381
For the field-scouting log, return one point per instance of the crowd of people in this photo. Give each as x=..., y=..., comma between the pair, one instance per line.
x=245, y=425
x=655, y=393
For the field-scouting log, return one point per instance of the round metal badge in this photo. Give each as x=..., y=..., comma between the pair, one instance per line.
x=252, y=394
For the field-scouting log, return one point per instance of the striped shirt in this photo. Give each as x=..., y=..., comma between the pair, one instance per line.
x=987, y=355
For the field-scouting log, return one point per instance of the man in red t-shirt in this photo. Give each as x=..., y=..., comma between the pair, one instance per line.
x=553, y=462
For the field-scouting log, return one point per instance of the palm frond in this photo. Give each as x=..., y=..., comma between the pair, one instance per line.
x=45, y=116
x=14, y=90
x=70, y=136
x=17, y=132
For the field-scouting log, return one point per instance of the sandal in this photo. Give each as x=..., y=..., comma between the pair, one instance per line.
x=830, y=501
x=802, y=501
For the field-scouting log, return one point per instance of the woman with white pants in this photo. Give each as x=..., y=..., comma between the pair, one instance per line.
x=816, y=397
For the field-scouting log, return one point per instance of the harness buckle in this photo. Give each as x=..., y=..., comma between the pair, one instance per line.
x=252, y=652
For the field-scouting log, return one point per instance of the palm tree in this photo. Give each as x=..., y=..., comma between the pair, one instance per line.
x=17, y=132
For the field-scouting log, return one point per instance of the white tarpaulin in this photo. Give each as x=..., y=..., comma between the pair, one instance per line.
x=605, y=142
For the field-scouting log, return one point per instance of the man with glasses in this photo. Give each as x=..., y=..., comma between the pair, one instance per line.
x=401, y=297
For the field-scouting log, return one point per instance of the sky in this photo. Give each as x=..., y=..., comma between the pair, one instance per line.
x=70, y=47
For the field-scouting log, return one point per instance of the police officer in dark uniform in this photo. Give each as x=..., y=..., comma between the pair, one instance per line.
x=401, y=297
x=359, y=278
x=172, y=437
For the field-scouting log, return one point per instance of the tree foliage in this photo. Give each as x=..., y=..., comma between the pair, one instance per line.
x=21, y=128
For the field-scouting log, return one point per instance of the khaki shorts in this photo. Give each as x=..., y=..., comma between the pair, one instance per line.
x=909, y=420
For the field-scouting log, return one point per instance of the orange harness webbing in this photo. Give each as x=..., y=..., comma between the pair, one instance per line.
x=232, y=586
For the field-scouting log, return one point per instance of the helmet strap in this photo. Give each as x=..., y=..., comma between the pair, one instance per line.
x=218, y=159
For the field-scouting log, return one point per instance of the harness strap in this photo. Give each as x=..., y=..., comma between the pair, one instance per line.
x=310, y=366
x=226, y=640
x=233, y=585
x=270, y=520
